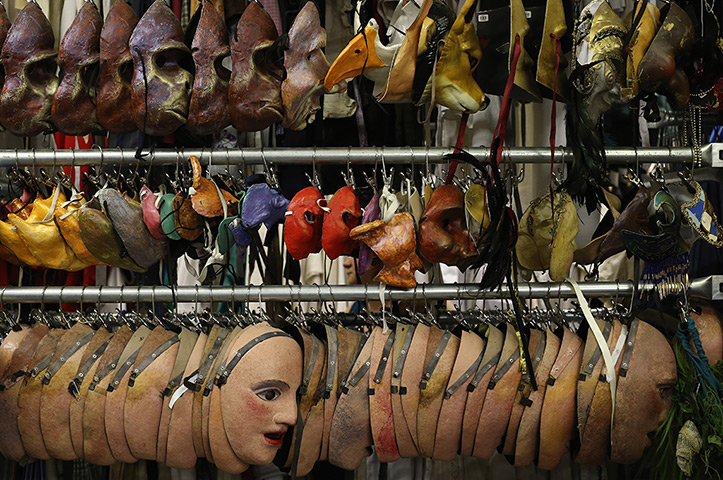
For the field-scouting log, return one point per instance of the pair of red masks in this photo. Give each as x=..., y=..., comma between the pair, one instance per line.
x=304, y=220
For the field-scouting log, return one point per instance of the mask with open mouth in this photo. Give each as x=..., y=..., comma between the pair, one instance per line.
x=28, y=57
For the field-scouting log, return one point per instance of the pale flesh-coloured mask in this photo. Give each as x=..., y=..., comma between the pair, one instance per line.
x=28, y=57
x=443, y=234
x=74, y=105
x=160, y=78
x=116, y=72
x=303, y=225
x=208, y=111
x=306, y=67
x=255, y=88
x=644, y=394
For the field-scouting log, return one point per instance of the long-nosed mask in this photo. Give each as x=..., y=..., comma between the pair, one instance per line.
x=306, y=67
x=114, y=94
x=443, y=234
x=255, y=88
x=208, y=111
x=28, y=57
x=160, y=79
x=344, y=213
x=74, y=104
x=304, y=217
x=263, y=204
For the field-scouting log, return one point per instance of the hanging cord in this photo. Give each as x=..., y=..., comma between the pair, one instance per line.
x=687, y=332
x=553, y=120
x=501, y=128
x=142, y=132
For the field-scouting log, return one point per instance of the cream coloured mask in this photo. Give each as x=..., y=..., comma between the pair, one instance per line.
x=161, y=85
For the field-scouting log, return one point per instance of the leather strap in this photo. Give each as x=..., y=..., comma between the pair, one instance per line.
x=503, y=369
x=343, y=384
x=188, y=341
x=42, y=365
x=379, y=375
x=525, y=400
x=304, y=387
x=103, y=373
x=332, y=353
x=223, y=377
x=200, y=375
x=123, y=369
x=353, y=381
x=629, y=345
x=463, y=378
x=149, y=359
x=399, y=364
x=552, y=379
x=483, y=370
x=74, y=385
x=587, y=368
x=435, y=359
x=55, y=367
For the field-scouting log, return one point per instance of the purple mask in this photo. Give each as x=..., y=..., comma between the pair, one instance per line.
x=366, y=255
x=263, y=204
x=240, y=235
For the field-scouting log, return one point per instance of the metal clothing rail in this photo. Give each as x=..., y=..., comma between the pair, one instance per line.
x=709, y=287
x=711, y=156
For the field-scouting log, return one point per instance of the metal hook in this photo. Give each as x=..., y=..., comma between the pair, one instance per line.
x=270, y=174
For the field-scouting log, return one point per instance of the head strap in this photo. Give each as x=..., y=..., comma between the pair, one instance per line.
x=223, y=377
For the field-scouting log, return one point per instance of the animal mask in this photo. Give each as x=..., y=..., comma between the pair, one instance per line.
x=367, y=257
x=343, y=215
x=303, y=226
x=443, y=234
x=74, y=103
x=306, y=66
x=151, y=215
x=263, y=204
x=159, y=77
x=395, y=243
x=206, y=196
x=255, y=88
x=208, y=111
x=28, y=57
x=114, y=95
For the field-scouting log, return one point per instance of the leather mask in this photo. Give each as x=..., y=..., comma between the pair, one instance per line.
x=151, y=215
x=644, y=393
x=4, y=27
x=74, y=103
x=70, y=230
x=28, y=57
x=255, y=88
x=263, y=204
x=658, y=70
x=443, y=234
x=554, y=24
x=710, y=330
x=206, y=196
x=306, y=66
x=365, y=53
x=159, y=77
x=639, y=42
x=114, y=95
x=367, y=258
x=545, y=242
x=303, y=226
x=208, y=111
x=395, y=243
x=343, y=215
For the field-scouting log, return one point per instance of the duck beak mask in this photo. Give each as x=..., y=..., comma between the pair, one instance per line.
x=28, y=57
x=208, y=111
x=160, y=79
x=303, y=226
x=114, y=96
x=358, y=57
x=74, y=104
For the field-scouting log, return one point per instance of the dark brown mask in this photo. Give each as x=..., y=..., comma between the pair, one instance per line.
x=159, y=77
x=114, y=94
x=208, y=112
x=28, y=57
x=255, y=88
x=4, y=27
x=443, y=234
x=306, y=67
x=74, y=111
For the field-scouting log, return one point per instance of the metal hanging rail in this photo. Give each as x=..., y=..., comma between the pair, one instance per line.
x=711, y=156
x=709, y=287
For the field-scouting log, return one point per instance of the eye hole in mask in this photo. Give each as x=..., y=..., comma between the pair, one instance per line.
x=220, y=67
x=126, y=71
x=39, y=73
x=309, y=217
x=89, y=75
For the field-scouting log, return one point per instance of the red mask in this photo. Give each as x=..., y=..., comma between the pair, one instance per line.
x=114, y=94
x=303, y=226
x=343, y=215
x=74, y=104
x=208, y=112
x=443, y=234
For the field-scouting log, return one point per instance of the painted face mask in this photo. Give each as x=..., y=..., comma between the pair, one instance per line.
x=395, y=243
x=344, y=213
x=255, y=88
x=208, y=111
x=74, y=103
x=160, y=79
x=302, y=229
x=306, y=67
x=443, y=234
x=263, y=204
x=116, y=73
x=28, y=57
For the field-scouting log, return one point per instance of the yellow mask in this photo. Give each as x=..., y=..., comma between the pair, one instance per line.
x=639, y=43
x=554, y=24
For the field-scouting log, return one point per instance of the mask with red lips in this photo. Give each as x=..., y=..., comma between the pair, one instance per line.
x=159, y=77
x=443, y=234
x=28, y=57
x=303, y=226
x=344, y=213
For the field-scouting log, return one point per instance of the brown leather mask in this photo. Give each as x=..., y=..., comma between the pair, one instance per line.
x=114, y=94
x=255, y=88
x=443, y=234
x=4, y=27
x=74, y=103
x=28, y=57
x=303, y=225
x=208, y=111
x=159, y=79
x=306, y=67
